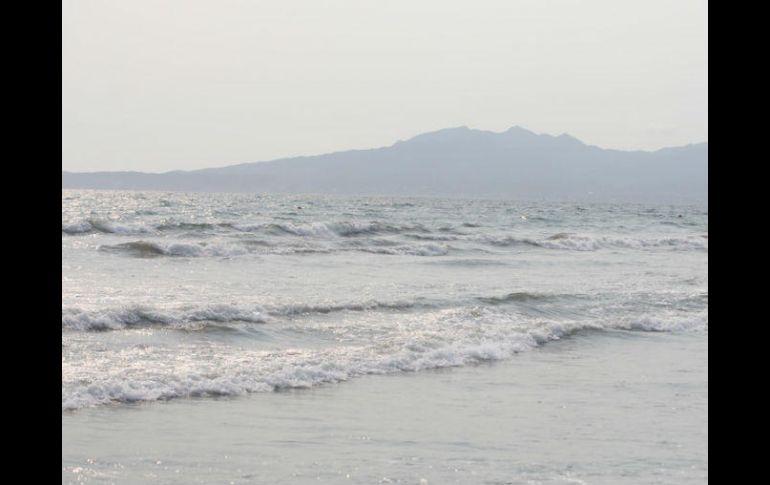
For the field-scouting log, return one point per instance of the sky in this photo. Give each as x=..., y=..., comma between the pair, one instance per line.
x=166, y=85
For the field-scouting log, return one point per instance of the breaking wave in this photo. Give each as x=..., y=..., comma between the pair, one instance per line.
x=469, y=336
x=316, y=229
x=152, y=249
x=147, y=249
x=132, y=316
x=576, y=242
x=518, y=297
x=144, y=315
x=94, y=225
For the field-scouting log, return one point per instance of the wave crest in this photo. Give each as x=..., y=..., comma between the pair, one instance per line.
x=446, y=338
x=95, y=225
x=574, y=242
x=138, y=315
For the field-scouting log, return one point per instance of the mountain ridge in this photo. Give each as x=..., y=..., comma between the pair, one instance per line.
x=458, y=161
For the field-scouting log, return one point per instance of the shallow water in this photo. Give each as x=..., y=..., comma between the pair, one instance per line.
x=611, y=408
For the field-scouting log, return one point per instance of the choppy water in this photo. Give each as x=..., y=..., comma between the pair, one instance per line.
x=173, y=295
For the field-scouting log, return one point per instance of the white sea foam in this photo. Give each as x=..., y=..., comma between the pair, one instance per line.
x=412, y=250
x=236, y=373
x=104, y=226
x=89, y=319
x=351, y=228
x=134, y=315
x=667, y=323
x=577, y=242
x=416, y=342
x=150, y=249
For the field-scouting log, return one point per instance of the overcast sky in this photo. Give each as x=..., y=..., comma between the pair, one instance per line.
x=181, y=84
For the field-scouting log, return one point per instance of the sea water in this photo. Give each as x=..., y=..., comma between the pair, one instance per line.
x=250, y=338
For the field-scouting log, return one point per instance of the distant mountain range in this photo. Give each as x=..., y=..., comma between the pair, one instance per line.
x=454, y=162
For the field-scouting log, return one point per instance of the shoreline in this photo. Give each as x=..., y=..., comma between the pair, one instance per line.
x=593, y=408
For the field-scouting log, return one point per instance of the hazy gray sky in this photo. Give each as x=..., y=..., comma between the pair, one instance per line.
x=181, y=84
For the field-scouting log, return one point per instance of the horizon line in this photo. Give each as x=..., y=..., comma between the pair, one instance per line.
x=455, y=128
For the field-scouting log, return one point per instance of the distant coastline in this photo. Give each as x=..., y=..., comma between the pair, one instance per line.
x=454, y=162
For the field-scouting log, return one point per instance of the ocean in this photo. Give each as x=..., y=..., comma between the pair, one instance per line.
x=250, y=338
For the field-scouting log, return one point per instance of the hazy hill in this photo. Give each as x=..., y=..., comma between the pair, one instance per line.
x=458, y=162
